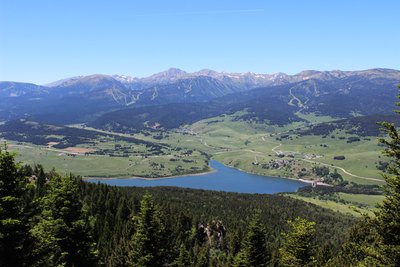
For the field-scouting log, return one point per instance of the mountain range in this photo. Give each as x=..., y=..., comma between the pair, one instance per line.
x=336, y=93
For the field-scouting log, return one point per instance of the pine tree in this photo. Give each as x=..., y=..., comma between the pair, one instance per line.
x=298, y=241
x=241, y=260
x=376, y=241
x=13, y=226
x=361, y=247
x=234, y=243
x=183, y=259
x=254, y=247
x=388, y=214
x=147, y=245
x=41, y=180
x=62, y=236
x=203, y=257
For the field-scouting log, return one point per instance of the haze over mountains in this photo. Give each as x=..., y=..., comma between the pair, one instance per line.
x=267, y=96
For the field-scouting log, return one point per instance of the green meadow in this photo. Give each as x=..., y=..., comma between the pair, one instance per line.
x=262, y=149
x=244, y=145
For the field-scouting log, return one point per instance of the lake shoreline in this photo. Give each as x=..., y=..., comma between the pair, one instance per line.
x=85, y=178
x=149, y=178
x=316, y=183
x=220, y=178
x=282, y=177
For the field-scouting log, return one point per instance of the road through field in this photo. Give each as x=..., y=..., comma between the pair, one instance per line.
x=329, y=165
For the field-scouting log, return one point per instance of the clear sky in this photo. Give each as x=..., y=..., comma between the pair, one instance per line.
x=42, y=41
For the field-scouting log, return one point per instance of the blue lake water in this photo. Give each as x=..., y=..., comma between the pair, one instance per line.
x=223, y=179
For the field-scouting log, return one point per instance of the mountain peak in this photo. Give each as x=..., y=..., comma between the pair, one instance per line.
x=308, y=73
x=206, y=72
x=62, y=81
x=171, y=72
x=124, y=78
x=169, y=75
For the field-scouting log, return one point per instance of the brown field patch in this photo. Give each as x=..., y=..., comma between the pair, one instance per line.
x=78, y=150
x=51, y=144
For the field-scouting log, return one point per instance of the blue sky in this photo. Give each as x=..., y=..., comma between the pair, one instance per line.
x=42, y=41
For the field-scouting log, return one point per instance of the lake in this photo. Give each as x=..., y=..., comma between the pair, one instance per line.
x=223, y=179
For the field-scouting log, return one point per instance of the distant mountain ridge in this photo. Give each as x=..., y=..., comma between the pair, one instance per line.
x=371, y=94
x=246, y=79
x=81, y=98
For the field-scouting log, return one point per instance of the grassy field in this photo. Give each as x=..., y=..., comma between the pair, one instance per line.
x=314, y=119
x=360, y=157
x=354, y=204
x=335, y=206
x=175, y=163
x=241, y=144
x=369, y=200
x=248, y=146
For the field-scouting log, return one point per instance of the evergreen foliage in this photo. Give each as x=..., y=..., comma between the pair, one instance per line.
x=61, y=233
x=184, y=213
x=13, y=223
x=254, y=247
x=183, y=258
x=388, y=214
x=203, y=257
x=376, y=241
x=362, y=248
x=297, y=248
x=146, y=246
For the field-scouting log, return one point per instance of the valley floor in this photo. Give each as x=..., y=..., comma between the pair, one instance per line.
x=255, y=148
